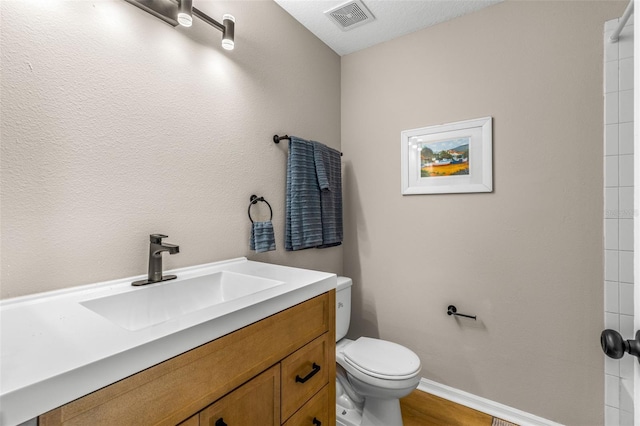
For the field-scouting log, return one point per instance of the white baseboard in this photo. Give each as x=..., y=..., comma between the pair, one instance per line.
x=484, y=405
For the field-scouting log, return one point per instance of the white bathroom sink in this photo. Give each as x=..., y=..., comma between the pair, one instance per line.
x=97, y=334
x=156, y=303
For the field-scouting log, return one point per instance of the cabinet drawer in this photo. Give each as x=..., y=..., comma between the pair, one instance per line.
x=315, y=412
x=304, y=373
x=254, y=403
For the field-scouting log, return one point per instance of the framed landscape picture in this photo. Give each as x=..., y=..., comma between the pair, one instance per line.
x=448, y=158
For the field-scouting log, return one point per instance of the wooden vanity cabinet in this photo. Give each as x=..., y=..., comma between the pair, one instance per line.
x=191, y=421
x=280, y=370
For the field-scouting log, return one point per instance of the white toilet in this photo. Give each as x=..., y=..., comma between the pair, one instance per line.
x=372, y=374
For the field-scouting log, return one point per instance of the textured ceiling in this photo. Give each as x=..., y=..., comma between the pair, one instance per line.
x=394, y=18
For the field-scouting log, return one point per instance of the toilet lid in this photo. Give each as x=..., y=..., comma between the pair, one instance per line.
x=382, y=359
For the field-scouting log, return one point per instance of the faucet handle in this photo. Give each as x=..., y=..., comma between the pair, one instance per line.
x=157, y=238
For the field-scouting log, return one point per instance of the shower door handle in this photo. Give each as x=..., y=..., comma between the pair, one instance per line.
x=614, y=346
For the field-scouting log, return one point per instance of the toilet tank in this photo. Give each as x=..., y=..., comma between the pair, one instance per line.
x=343, y=307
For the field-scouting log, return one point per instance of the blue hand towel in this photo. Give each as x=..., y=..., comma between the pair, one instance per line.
x=328, y=168
x=262, y=237
x=303, y=213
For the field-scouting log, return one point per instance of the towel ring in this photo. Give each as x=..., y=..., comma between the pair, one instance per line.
x=254, y=199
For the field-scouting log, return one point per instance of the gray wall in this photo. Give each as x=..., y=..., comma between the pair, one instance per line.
x=527, y=258
x=116, y=125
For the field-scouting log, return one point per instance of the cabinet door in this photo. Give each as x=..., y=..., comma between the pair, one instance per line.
x=255, y=403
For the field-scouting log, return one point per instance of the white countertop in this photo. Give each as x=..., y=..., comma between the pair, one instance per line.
x=54, y=350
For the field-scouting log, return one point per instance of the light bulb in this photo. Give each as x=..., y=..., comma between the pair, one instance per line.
x=184, y=13
x=228, y=21
x=184, y=19
x=228, y=44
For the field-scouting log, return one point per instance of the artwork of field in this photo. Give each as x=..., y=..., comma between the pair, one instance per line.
x=444, y=158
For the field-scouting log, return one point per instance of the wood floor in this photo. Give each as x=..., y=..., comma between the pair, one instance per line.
x=423, y=409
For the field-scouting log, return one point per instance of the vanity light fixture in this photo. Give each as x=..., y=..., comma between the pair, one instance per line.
x=181, y=12
x=229, y=23
x=227, y=27
x=184, y=13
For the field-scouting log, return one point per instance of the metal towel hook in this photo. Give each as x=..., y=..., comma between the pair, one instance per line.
x=253, y=200
x=452, y=310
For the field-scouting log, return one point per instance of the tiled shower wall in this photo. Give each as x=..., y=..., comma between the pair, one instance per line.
x=618, y=218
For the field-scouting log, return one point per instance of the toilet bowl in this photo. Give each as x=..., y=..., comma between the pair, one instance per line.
x=373, y=375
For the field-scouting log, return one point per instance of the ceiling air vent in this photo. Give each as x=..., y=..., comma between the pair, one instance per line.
x=350, y=15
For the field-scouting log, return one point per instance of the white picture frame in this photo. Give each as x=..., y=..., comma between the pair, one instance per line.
x=448, y=158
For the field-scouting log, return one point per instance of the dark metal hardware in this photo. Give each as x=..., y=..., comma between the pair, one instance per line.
x=157, y=238
x=452, y=310
x=316, y=422
x=313, y=372
x=254, y=199
x=614, y=346
x=156, y=247
x=220, y=422
x=277, y=139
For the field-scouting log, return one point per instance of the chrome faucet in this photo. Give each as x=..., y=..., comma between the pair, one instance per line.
x=156, y=247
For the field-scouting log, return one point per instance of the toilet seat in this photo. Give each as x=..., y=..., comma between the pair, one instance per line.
x=382, y=359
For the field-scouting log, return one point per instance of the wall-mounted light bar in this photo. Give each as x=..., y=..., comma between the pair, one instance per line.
x=181, y=12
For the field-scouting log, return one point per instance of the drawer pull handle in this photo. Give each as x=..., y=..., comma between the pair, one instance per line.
x=313, y=372
x=220, y=422
x=316, y=422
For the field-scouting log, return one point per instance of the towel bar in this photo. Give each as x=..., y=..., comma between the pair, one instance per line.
x=277, y=139
x=254, y=199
